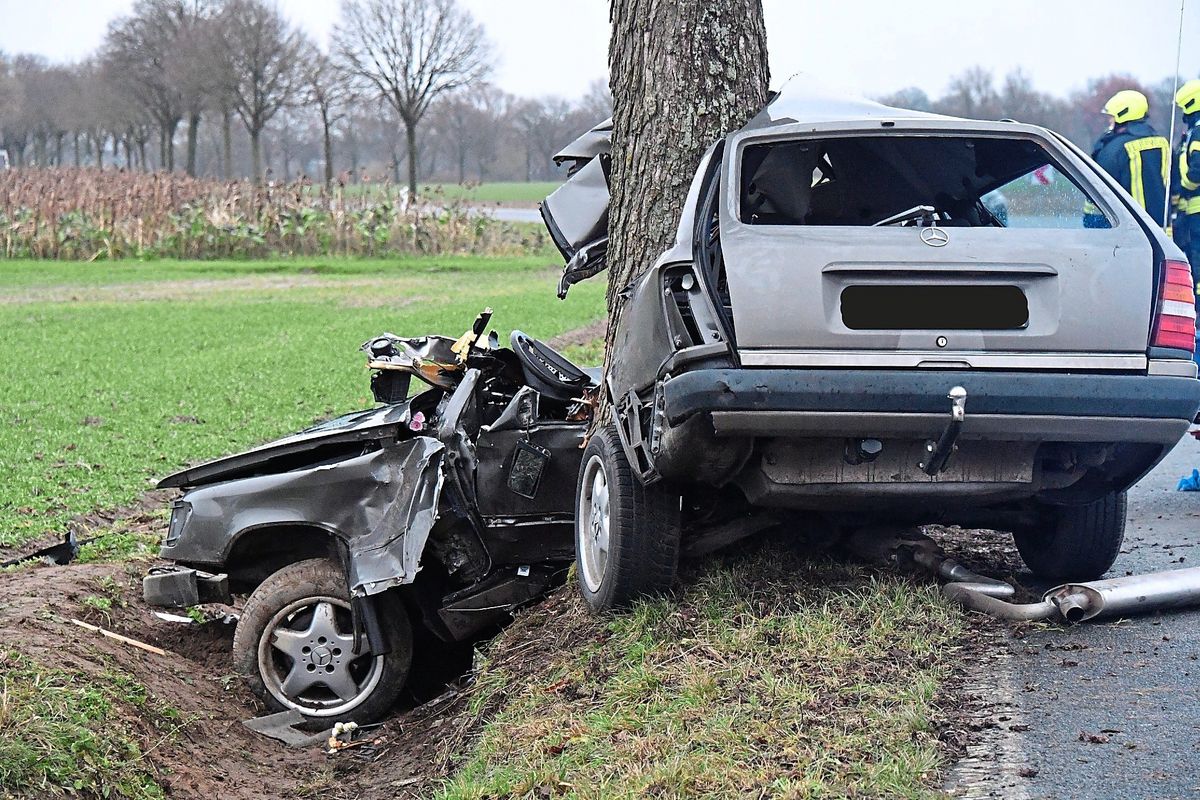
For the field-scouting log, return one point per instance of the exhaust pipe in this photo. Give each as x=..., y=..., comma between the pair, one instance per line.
x=1070, y=602
x=1075, y=602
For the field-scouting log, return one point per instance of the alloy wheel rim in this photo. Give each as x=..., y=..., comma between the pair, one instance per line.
x=592, y=524
x=306, y=658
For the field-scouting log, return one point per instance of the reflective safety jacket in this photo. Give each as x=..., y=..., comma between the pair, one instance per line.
x=1185, y=182
x=1140, y=160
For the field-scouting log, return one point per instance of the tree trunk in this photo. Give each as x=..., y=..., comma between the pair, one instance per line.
x=410, y=133
x=704, y=73
x=193, y=136
x=328, y=150
x=78, y=155
x=256, y=155
x=226, y=144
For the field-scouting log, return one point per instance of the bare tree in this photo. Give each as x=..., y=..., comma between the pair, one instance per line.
x=12, y=130
x=155, y=51
x=264, y=55
x=971, y=94
x=909, y=97
x=411, y=52
x=328, y=91
x=190, y=67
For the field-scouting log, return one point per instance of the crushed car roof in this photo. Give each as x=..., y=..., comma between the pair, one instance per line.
x=803, y=99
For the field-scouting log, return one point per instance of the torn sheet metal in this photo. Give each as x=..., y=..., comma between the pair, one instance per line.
x=361, y=426
x=597, y=141
x=59, y=554
x=389, y=553
x=381, y=503
x=577, y=212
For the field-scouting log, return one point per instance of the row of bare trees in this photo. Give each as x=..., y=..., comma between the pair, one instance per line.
x=228, y=88
x=978, y=94
x=173, y=70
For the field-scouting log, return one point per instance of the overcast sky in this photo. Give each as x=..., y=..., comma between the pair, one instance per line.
x=558, y=47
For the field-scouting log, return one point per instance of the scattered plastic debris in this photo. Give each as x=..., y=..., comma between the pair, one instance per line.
x=1189, y=483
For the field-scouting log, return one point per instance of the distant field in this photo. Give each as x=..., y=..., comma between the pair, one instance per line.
x=514, y=193
x=118, y=374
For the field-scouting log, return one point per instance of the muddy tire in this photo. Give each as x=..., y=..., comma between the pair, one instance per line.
x=1081, y=543
x=626, y=534
x=293, y=648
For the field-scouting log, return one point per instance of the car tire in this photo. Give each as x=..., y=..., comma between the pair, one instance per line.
x=626, y=534
x=293, y=646
x=1083, y=543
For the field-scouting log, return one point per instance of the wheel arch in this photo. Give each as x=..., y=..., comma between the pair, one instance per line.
x=258, y=551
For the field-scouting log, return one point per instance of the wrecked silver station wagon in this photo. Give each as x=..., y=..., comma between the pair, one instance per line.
x=877, y=315
x=385, y=535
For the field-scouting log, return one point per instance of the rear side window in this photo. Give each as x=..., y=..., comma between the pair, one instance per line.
x=894, y=179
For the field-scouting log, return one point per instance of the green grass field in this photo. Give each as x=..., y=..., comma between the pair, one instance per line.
x=117, y=374
x=509, y=193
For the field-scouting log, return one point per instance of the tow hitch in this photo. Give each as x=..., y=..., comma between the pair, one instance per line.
x=939, y=452
x=1069, y=602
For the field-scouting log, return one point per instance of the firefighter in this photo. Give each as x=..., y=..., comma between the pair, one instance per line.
x=1134, y=154
x=1185, y=179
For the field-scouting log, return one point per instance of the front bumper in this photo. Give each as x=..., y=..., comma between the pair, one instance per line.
x=182, y=587
x=1011, y=406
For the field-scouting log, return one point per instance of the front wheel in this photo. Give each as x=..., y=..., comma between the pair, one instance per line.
x=1081, y=542
x=294, y=648
x=626, y=534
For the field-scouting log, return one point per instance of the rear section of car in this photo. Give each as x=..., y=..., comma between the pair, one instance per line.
x=869, y=270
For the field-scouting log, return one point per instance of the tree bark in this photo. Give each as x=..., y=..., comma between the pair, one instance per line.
x=193, y=137
x=226, y=144
x=328, y=142
x=410, y=134
x=256, y=155
x=682, y=74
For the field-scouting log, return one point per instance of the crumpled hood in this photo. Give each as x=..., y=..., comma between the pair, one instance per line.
x=288, y=453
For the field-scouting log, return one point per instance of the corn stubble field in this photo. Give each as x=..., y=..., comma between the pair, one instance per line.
x=770, y=672
x=92, y=214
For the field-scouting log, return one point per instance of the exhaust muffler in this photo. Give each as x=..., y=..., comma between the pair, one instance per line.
x=1078, y=602
x=1069, y=602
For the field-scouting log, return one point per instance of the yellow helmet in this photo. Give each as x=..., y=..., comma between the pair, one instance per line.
x=1188, y=96
x=1127, y=105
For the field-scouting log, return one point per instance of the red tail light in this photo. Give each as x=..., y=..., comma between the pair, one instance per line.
x=1176, y=323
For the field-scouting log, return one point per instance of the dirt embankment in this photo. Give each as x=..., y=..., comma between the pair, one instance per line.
x=208, y=753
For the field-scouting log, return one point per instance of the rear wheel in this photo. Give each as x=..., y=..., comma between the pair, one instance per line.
x=626, y=534
x=1081, y=544
x=294, y=648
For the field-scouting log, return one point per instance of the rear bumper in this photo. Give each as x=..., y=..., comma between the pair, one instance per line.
x=1012, y=406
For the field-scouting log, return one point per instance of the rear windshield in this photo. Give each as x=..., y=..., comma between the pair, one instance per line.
x=895, y=179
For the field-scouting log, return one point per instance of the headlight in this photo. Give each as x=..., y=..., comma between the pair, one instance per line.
x=180, y=511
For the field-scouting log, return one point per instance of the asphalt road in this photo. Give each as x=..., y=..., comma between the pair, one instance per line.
x=1111, y=709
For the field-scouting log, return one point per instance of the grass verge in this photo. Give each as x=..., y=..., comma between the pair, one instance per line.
x=62, y=733
x=768, y=675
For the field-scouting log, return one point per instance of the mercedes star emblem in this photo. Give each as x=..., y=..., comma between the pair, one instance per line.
x=935, y=237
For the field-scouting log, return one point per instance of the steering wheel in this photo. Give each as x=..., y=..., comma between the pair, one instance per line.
x=547, y=370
